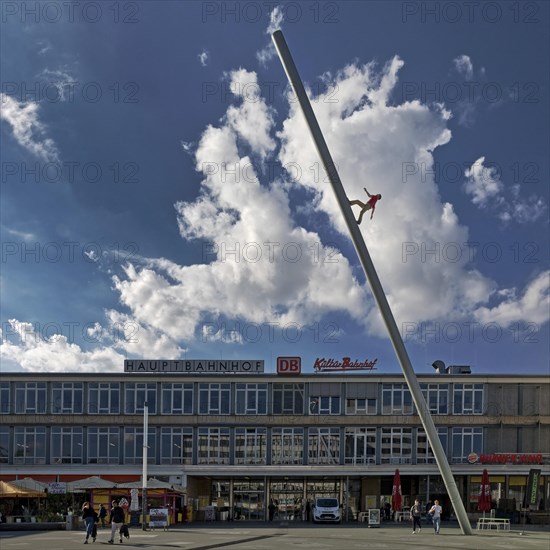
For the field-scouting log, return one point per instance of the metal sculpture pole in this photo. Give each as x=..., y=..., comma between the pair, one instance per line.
x=374, y=281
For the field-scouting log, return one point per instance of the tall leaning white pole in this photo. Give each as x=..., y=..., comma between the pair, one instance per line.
x=374, y=281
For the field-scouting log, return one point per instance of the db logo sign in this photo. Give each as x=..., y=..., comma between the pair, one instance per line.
x=289, y=365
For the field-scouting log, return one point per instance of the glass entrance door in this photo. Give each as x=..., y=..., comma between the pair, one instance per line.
x=248, y=500
x=288, y=497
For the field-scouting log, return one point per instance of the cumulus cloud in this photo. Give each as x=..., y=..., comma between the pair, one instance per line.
x=27, y=129
x=533, y=306
x=374, y=144
x=28, y=346
x=35, y=352
x=486, y=190
x=261, y=266
x=483, y=182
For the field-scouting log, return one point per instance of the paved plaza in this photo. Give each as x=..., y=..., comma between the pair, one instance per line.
x=281, y=537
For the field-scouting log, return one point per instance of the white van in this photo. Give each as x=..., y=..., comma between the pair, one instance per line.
x=326, y=509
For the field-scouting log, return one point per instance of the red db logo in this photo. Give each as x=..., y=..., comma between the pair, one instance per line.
x=289, y=365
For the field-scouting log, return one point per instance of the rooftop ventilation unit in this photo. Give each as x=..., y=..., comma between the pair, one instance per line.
x=440, y=368
x=459, y=369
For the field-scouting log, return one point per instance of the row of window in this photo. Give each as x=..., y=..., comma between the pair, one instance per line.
x=216, y=445
x=217, y=398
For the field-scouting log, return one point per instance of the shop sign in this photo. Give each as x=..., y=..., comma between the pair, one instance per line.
x=158, y=517
x=193, y=366
x=289, y=365
x=532, y=492
x=346, y=364
x=57, y=488
x=506, y=458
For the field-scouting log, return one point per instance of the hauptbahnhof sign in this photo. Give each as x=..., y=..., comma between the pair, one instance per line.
x=201, y=366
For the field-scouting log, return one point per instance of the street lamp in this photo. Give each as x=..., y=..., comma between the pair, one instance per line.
x=144, y=465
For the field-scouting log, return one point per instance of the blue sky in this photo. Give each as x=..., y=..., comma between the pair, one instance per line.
x=161, y=197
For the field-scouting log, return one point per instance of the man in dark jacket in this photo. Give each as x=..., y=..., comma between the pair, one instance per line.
x=116, y=520
x=416, y=514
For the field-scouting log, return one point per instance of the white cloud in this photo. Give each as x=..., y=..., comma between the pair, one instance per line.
x=483, y=182
x=62, y=81
x=44, y=45
x=24, y=235
x=275, y=23
x=27, y=129
x=464, y=66
x=203, y=58
x=260, y=266
x=374, y=144
x=253, y=119
x=245, y=275
x=26, y=346
x=532, y=307
x=275, y=20
x=32, y=352
x=487, y=190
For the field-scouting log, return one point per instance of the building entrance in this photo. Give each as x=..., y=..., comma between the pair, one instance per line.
x=248, y=500
x=288, y=497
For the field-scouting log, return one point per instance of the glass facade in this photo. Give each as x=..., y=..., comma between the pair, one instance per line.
x=103, y=398
x=66, y=446
x=360, y=446
x=67, y=398
x=30, y=398
x=332, y=423
x=103, y=445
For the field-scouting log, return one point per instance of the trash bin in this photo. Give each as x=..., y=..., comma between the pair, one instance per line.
x=223, y=515
x=69, y=525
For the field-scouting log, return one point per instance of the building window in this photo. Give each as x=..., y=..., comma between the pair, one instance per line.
x=288, y=398
x=360, y=405
x=177, y=398
x=466, y=441
x=424, y=453
x=213, y=446
x=323, y=446
x=214, y=398
x=67, y=446
x=136, y=395
x=250, y=446
x=176, y=446
x=287, y=446
x=103, y=445
x=103, y=398
x=396, y=446
x=29, y=446
x=67, y=398
x=4, y=445
x=30, y=397
x=360, y=446
x=437, y=397
x=133, y=446
x=396, y=399
x=324, y=404
x=468, y=399
x=251, y=399
x=5, y=405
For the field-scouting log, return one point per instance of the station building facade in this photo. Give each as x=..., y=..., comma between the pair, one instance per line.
x=238, y=440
